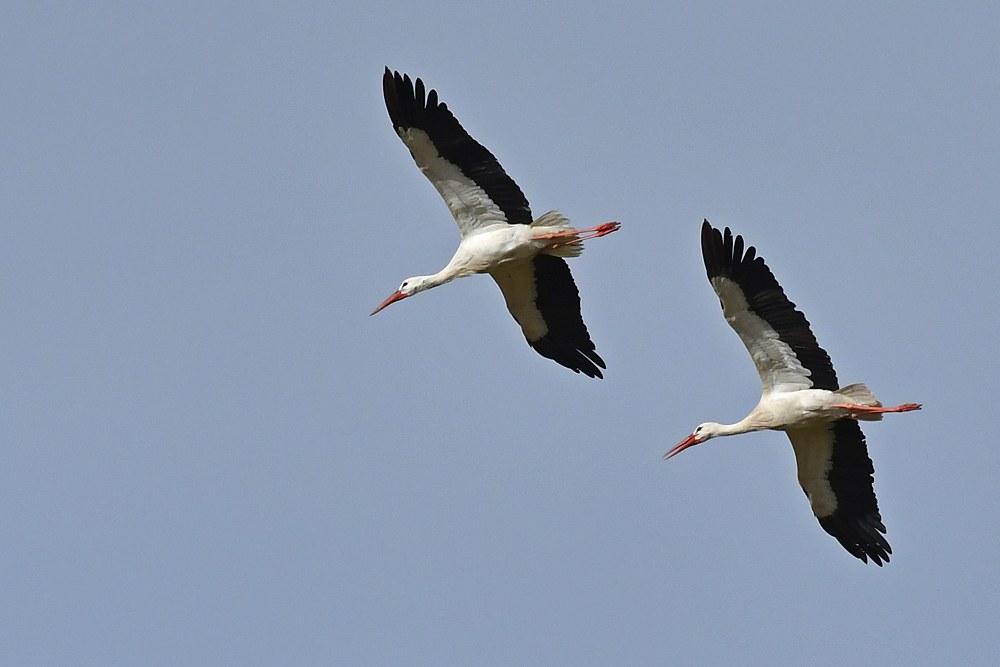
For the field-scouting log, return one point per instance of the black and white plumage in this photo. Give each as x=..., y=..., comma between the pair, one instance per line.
x=801, y=396
x=499, y=235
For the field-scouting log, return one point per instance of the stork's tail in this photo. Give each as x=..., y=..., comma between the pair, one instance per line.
x=859, y=394
x=552, y=219
x=567, y=246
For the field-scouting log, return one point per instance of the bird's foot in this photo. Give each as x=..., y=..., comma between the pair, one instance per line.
x=906, y=407
x=600, y=230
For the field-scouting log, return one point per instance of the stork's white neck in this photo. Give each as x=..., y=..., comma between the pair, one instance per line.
x=752, y=422
x=447, y=274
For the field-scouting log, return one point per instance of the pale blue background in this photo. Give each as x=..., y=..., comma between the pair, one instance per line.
x=211, y=455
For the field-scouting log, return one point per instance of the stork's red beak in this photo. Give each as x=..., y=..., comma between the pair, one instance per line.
x=688, y=441
x=396, y=296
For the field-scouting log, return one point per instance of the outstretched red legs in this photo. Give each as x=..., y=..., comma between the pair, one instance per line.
x=872, y=410
x=594, y=233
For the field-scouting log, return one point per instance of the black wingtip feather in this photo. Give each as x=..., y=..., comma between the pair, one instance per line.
x=724, y=257
x=579, y=361
x=860, y=537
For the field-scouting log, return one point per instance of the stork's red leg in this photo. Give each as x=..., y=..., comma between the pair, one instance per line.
x=595, y=232
x=871, y=410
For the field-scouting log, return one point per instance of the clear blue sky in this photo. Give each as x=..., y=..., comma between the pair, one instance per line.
x=211, y=454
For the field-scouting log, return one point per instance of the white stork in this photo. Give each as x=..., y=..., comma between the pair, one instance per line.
x=801, y=397
x=499, y=236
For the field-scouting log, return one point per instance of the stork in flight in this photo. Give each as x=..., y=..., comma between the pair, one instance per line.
x=801, y=397
x=499, y=236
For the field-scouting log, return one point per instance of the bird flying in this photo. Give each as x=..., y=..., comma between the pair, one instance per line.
x=801, y=396
x=525, y=256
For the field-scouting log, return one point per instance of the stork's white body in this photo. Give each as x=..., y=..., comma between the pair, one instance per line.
x=800, y=408
x=800, y=396
x=499, y=236
x=487, y=248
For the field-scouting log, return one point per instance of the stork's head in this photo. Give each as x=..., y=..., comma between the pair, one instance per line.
x=704, y=432
x=409, y=287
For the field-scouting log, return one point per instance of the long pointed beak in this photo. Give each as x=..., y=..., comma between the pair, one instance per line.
x=680, y=447
x=396, y=296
